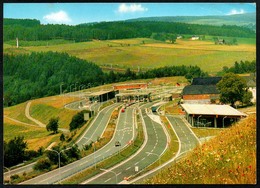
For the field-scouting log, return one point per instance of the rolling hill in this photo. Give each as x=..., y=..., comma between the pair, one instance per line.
x=248, y=20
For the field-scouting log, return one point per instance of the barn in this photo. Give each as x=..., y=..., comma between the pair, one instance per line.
x=201, y=91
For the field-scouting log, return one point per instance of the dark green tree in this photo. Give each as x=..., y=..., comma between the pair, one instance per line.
x=78, y=120
x=62, y=137
x=53, y=125
x=232, y=88
x=14, y=151
x=246, y=100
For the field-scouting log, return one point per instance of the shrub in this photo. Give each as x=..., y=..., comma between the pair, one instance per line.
x=78, y=120
x=42, y=164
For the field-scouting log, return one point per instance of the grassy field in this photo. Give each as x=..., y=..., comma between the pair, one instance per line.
x=229, y=158
x=45, y=108
x=33, y=135
x=148, y=53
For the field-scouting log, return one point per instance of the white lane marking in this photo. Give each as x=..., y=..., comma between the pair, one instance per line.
x=83, y=163
x=143, y=159
x=128, y=168
x=108, y=180
x=107, y=151
x=136, y=163
x=119, y=173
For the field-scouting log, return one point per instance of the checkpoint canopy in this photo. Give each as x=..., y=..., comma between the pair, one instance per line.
x=211, y=115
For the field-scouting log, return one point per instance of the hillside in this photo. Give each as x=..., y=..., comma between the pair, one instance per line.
x=247, y=20
x=228, y=158
x=116, y=30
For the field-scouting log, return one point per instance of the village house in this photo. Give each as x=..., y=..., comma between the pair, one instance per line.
x=195, y=37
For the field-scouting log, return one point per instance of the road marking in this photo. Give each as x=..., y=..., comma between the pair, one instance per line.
x=108, y=180
x=83, y=163
x=128, y=168
x=119, y=173
x=143, y=159
x=107, y=151
x=136, y=163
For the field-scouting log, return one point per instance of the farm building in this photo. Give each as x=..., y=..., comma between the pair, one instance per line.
x=251, y=84
x=211, y=115
x=201, y=91
x=195, y=37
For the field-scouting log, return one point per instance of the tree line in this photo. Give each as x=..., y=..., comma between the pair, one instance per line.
x=36, y=75
x=33, y=31
x=241, y=67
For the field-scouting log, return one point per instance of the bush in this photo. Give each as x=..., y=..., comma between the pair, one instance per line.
x=78, y=120
x=30, y=154
x=43, y=164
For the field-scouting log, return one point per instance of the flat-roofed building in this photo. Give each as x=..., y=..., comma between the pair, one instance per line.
x=211, y=115
x=130, y=86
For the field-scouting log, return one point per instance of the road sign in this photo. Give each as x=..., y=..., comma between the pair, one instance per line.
x=86, y=116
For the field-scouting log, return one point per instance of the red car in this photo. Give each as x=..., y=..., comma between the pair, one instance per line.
x=123, y=110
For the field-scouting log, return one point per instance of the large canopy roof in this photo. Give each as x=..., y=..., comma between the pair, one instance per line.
x=211, y=109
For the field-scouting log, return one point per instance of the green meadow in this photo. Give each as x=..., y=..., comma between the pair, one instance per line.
x=148, y=53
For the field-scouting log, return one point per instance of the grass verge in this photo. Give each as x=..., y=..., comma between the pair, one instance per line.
x=111, y=161
x=229, y=158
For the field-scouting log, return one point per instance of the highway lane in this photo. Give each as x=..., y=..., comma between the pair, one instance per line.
x=97, y=126
x=188, y=140
x=125, y=122
x=96, y=129
x=156, y=144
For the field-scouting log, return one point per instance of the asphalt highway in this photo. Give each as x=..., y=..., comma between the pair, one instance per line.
x=124, y=133
x=188, y=140
x=155, y=144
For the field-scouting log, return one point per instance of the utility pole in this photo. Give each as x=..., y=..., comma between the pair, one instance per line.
x=17, y=43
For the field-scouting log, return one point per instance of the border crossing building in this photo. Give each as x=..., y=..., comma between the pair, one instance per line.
x=211, y=115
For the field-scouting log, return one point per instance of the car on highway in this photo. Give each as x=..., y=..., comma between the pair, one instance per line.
x=117, y=143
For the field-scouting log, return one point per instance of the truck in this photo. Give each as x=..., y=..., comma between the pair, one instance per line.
x=154, y=108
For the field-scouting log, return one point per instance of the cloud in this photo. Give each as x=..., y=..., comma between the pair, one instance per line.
x=131, y=8
x=234, y=11
x=57, y=17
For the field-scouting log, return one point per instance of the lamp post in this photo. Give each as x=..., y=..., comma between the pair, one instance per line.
x=61, y=88
x=199, y=119
x=109, y=171
x=150, y=153
x=223, y=121
x=70, y=86
x=9, y=171
x=59, y=152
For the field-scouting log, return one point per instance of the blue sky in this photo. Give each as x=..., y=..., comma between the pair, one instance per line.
x=76, y=13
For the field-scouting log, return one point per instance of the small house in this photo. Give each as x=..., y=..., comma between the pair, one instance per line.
x=195, y=37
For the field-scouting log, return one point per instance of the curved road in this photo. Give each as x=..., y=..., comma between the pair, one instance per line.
x=125, y=124
x=156, y=143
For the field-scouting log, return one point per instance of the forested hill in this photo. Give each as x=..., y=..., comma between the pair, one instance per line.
x=248, y=20
x=116, y=30
x=22, y=22
x=40, y=74
x=35, y=75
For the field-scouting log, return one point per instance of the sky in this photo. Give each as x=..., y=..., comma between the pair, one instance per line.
x=77, y=13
